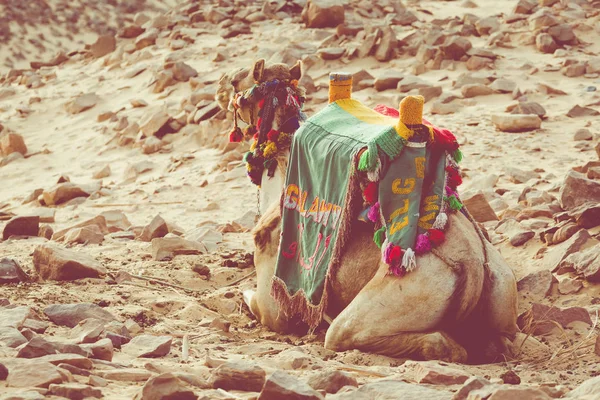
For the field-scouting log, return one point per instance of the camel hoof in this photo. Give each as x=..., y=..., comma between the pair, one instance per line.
x=248, y=295
x=439, y=346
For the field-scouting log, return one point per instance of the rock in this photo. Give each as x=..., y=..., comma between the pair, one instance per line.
x=39, y=374
x=433, y=373
x=183, y=72
x=528, y=108
x=563, y=34
x=148, y=346
x=239, y=375
x=11, y=337
x=82, y=103
x=125, y=374
x=5, y=93
x=101, y=350
x=545, y=43
x=503, y=85
x=331, y=381
x=281, y=385
x=3, y=372
x=486, y=26
x=14, y=316
x=455, y=47
x=131, y=31
x=89, y=330
x=547, y=89
x=166, y=248
x=578, y=111
x=519, y=239
x=564, y=233
x=438, y=107
x=577, y=242
x=586, y=263
x=331, y=53
x=55, y=263
x=388, y=80
x=475, y=90
x=36, y=347
x=116, y=221
x=387, y=45
x=86, y=235
x=574, y=70
x=541, y=19
x=75, y=360
x=104, y=45
x=479, y=208
x=75, y=391
x=537, y=285
x=471, y=384
x=411, y=83
x=97, y=381
x=583, y=134
x=71, y=314
x=11, y=272
x=516, y=123
x=430, y=92
x=517, y=175
x=506, y=392
x=153, y=122
x=510, y=377
x=569, y=286
x=391, y=390
x=152, y=145
x=146, y=39
x=98, y=221
x=541, y=319
x=12, y=143
x=323, y=14
x=589, y=389
x=577, y=190
x=166, y=386
x=157, y=228
x=525, y=7
x=64, y=192
x=586, y=215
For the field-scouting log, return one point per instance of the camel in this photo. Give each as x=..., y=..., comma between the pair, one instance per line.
x=460, y=305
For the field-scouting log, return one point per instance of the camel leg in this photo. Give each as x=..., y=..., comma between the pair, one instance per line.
x=398, y=317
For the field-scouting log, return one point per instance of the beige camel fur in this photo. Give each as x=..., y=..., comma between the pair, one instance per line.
x=459, y=304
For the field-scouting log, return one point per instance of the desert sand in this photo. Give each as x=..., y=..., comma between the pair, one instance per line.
x=121, y=132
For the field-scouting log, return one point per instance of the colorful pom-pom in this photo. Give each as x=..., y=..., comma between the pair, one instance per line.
x=248, y=157
x=445, y=139
x=454, y=178
x=270, y=150
x=423, y=245
x=273, y=135
x=436, y=237
x=373, y=214
x=370, y=193
x=457, y=155
x=250, y=130
x=398, y=271
x=395, y=256
x=379, y=237
x=236, y=135
x=454, y=203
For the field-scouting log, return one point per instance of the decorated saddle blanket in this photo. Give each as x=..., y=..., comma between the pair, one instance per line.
x=349, y=158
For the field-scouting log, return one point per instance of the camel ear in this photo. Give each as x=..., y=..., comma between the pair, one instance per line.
x=257, y=71
x=296, y=70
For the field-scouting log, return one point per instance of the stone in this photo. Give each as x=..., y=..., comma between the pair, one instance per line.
x=331, y=53
x=331, y=381
x=125, y=374
x=3, y=372
x=476, y=63
x=131, y=31
x=577, y=190
x=578, y=111
x=97, y=381
x=101, y=173
x=281, y=385
x=440, y=108
x=517, y=175
x=36, y=347
x=323, y=14
x=11, y=337
x=77, y=360
x=153, y=122
x=167, y=386
x=238, y=375
x=479, y=208
x=471, y=384
x=487, y=26
x=14, y=316
x=455, y=47
x=530, y=107
x=71, y=314
x=183, y=72
x=85, y=235
x=74, y=391
x=157, y=228
x=558, y=253
x=586, y=263
x=99, y=221
x=11, y=272
x=475, y=90
x=564, y=233
x=5, y=93
x=82, y=103
x=537, y=285
x=164, y=249
x=573, y=71
x=146, y=39
x=430, y=92
x=104, y=45
x=393, y=389
x=387, y=45
x=101, y=350
x=516, y=123
x=545, y=43
x=148, y=346
x=541, y=19
x=503, y=85
x=64, y=192
x=35, y=325
x=152, y=145
x=39, y=374
x=55, y=263
x=510, y=377
x=433, y=373
x=563, y=34
x=12, y=143
x=525, y=6
x=388, y=80
x=583, y=134
x=411, y=83
x=540, y=319
x=569, y=286
x=520, y=238
x=589, y=389
x=89, y=330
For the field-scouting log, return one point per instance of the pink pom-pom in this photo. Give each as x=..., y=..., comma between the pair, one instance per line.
x=373, y=213
x=423, y=244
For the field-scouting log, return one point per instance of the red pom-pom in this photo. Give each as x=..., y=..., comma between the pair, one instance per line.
x=445, y=139
x=370, y=193
x=236, y=135
x=436, y=237
x=273, y=135
x=396, y=255
x=454, y=178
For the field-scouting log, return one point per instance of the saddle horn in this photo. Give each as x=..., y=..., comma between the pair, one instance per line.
x=340, y=86
x=411, y=110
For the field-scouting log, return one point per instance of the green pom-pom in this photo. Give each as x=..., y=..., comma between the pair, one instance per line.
x=363, y=162
x=379, y=237
x=454, y=203
x=247, y=156
x=458, y=155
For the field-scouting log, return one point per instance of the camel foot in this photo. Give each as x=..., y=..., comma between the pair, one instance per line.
x=440, y=346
